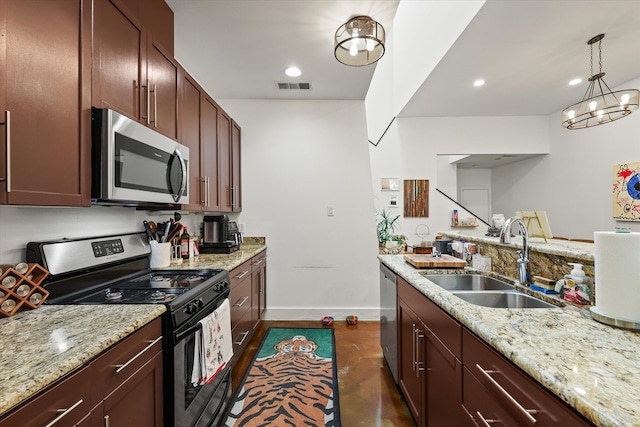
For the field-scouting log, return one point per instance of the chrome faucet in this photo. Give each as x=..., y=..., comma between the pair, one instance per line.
x=505, y=237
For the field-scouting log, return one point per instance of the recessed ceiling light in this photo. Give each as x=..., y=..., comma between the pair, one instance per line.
x=293, y=71
x=478, y=83
x=575, y=82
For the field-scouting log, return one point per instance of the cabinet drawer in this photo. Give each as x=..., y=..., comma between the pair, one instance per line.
x=240, y=273
x=71, y=394
x=258, y=261
x=444, y=327
x=117, y=364
x=242, y=333
x=240, y=300
x=513, y=390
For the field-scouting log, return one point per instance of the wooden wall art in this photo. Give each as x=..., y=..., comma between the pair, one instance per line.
x=416, y=197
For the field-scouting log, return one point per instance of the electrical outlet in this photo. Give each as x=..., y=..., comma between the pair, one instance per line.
x=330, y=210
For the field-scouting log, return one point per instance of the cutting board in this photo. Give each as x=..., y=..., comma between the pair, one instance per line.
x=428, y=261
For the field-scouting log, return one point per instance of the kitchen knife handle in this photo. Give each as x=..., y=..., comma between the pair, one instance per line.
x=147, y=230
x=64, y=412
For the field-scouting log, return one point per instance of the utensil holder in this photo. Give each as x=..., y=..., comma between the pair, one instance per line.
x=18, y=290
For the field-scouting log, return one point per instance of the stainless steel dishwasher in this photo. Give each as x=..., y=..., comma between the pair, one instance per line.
x=388, y=319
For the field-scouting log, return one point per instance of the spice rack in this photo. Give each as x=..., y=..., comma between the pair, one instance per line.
x=22, y=289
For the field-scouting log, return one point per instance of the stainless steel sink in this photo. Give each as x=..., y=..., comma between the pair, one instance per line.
x=468, y=282
x=502, y=299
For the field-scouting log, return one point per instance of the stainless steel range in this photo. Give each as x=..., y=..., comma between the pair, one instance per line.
x=115, y=270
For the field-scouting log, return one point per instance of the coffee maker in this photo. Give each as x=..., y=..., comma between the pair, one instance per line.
x=219, y=235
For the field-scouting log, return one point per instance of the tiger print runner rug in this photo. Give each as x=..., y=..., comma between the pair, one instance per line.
x=292, y=381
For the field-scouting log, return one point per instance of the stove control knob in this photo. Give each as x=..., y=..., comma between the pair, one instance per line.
x=192, y=307
x=219, y=287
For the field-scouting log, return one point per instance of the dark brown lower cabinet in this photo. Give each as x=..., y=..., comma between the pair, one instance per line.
x=496, y=390
x=121, y=387
x=449, y=377
x=430, y=371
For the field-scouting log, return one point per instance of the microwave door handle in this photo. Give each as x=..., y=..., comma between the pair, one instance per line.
x=183, y=181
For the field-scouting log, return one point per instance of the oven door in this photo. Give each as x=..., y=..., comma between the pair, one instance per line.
x=132, y=163
x=196, y=405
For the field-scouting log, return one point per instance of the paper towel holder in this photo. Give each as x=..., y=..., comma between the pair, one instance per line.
x=632, y=325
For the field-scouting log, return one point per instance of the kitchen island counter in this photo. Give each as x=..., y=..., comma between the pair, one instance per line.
x=38, y=347
x=592, y=367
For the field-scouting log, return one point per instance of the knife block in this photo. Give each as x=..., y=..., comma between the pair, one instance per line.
x=26, y=291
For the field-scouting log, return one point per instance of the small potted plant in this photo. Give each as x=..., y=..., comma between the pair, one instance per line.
x=386, y=228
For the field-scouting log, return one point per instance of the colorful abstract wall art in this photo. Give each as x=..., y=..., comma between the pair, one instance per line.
x=626, y=192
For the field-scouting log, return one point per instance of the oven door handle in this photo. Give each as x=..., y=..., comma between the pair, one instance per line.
x=182, y=335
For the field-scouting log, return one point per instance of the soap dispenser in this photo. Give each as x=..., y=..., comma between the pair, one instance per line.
x=575, y=286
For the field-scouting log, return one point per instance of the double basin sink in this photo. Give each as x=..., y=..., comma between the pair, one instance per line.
x=486, y=291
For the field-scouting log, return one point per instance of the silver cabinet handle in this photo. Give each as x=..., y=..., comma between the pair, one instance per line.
x=486, y=422
x=203, y=190
x=208, y=193
x=106, y=421
x=155, y=107
x=244, y=337
x=258, y=262
x=151, y=344
x=7, y=126
x=527, y=413
x=147, y=97
x=234, y=196
x=241, y=303
x=244, y=273
x=64, y=412
x=419, y=364
x=414, y=346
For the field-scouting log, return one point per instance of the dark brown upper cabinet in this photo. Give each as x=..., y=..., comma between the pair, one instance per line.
x=133, y=71
x=45, y=102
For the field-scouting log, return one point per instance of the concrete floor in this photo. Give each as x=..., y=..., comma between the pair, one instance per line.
x=368, y=395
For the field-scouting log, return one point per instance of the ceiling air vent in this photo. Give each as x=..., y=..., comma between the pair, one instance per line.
x=293, y=85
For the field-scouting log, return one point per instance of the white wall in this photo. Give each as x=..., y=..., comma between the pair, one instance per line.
x=409, y=151
x=22, y=224
x=298, y=157
x=573, y=183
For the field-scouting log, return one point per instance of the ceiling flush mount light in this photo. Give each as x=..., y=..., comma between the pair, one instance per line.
x=359, y=42
x=599, y=106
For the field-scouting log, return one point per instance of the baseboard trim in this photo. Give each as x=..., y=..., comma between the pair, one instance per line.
x=318, y=313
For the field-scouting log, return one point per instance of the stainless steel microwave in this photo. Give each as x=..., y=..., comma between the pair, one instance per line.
x=135, y=165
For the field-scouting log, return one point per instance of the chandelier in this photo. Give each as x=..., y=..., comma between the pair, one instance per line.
x=599, y=106
x=359, y=42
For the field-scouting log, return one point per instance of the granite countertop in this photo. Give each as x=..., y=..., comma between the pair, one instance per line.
x=567, y=248
x=249, y=249
x=38, y=347
x=593, y=367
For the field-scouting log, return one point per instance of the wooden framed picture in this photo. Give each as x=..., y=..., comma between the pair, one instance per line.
x=416, y=197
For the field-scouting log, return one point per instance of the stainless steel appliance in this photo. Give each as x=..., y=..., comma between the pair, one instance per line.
x=388, y=319
x=115, y=270
x=444, y=246
x=220, y=235
x=135, y=165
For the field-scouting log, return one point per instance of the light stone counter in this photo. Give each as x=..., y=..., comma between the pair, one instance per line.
x=593, y=367
x=252, y=247
x=38, y=347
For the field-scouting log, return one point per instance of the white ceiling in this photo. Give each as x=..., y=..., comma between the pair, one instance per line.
x=526, y=50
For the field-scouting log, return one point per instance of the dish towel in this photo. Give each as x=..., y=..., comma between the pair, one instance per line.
x=213, y=346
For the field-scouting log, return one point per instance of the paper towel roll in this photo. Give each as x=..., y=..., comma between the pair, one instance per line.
x=617, y=267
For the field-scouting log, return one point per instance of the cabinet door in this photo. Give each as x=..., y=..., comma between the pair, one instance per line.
x=443, y=383
x=70, y=395
x=259, y=275
x=119, y=68
x=410, y=369
x=162, y=73
x=138, y=401
x=209, y=152
x=236, y=187
x=44, y=102
x=224, y=162
x=191, y=135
